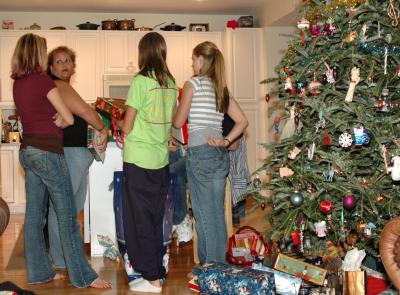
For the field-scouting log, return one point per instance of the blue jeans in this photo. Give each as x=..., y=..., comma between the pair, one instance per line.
x=207, y=168
x=177, y=166
x=78, y=161
x=46, y=171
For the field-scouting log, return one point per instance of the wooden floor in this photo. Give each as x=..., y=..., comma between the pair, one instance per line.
x=12, y=266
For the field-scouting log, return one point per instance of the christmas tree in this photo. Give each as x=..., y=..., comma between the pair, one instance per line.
x=334, y=174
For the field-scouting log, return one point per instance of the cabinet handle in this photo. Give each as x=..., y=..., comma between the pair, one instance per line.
x=130, y=68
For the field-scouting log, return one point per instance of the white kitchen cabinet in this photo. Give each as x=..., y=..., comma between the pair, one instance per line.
x=120, y=52
x=244, y=58
x=12, y=178
x=88, y=77
x=8, y=41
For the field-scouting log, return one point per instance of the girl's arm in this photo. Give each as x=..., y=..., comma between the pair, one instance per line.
x=126, y=124
x=64, y=117
x=237, y=115
x=182, y=111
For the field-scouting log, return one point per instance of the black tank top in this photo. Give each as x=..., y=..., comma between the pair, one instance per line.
x=76, y=134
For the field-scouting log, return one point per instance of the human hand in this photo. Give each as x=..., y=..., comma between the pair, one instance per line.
x=217, y=142
x=102, y=138
x=59, y=121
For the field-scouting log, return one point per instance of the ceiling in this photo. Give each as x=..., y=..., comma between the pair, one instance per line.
x=138, y=6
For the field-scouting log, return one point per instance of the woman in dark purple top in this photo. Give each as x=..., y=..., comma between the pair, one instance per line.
x=43, y=115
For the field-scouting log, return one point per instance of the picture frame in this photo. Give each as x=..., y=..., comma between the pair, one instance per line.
x=199, y=27
x=300, y=269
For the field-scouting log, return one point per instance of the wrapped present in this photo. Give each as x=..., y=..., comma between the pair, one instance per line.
x=300, y=269
x=221, y=278
x=285, y=284
x=114, y=107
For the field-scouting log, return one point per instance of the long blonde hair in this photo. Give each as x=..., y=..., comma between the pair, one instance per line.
x=29, y=57
x=153, y=57
x=214, y=68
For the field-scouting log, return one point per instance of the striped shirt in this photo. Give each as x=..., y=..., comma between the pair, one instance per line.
x=204, y=120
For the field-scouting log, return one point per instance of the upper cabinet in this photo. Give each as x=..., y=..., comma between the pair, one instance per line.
x=88, y=77
x=120, y=52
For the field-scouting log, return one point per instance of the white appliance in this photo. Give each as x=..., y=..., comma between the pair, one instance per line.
x=116, y=85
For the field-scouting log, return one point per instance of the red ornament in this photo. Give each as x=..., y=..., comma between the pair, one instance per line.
x=326, y=207
x=295, y=237
x=262, y=205
x=326, y=139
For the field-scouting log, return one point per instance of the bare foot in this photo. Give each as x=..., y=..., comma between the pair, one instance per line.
x=100, y=284
x=59, y=276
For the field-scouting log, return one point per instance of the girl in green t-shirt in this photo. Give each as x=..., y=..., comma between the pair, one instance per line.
x=151, y=100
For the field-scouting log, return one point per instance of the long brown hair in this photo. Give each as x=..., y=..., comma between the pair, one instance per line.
x=214, y=68
x=153, y=57
x=29, y=57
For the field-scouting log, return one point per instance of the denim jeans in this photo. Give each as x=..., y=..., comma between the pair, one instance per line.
x=207, y=168
x=78, y=161
x=46, y=171
x=177, y=166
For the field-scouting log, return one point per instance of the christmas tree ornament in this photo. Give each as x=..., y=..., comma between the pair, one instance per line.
x=315, y=30
x=329, y=173
x=364, y=182
x=256, y=181
x=311, y=151
x=361, y=226
x=296, y=199
x=379, y=104
x=326, y=139
x=349, y=202
x=300, y=86
x=368, y=231
x=345, y=140
x=384, y=156
x=355, y=78
x=360, y=136
x=330, y=28
x=393, y=13
x=386, y=103
x=285, y=172
x=277, y=121
x=293, y=154
x=326, y=207
x=320, y=228
x=288, y=84
x=395, y=168
x=295, y=236
x=314, y=87
x=329, y=74
x=262, y=206
x=303, y=24
x=350, y=37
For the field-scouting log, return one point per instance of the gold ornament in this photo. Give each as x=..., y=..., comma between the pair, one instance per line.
x=380, y=198
x=393, y=13
x=327, y=10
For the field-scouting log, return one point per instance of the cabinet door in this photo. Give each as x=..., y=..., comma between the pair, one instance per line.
x=7, y=175
x=176, y=55
x=8, y=40
x=120, y=53
x=87, y=80
x=196, y=38
x=244, y=63
x=53, y=38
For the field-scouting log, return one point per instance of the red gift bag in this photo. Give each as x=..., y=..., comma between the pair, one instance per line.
x=246, y=240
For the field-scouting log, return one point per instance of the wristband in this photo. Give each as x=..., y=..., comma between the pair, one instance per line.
x=104, y=126
x=352, y=81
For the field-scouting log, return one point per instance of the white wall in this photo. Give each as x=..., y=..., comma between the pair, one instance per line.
x=69, y=20
x=279, y=13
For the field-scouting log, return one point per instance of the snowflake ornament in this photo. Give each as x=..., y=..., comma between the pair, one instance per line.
x=345, y=140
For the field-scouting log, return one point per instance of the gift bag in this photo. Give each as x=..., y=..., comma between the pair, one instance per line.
x=245, y=246
x=354, y=282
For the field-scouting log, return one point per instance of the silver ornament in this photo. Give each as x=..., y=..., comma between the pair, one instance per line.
x=296, y=199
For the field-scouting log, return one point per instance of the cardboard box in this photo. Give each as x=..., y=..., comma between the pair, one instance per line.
x=300, y=269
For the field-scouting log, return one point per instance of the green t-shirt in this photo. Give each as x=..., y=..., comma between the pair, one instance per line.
x=147, y=144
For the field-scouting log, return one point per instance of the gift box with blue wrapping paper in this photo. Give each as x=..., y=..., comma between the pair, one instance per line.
x=226, y=279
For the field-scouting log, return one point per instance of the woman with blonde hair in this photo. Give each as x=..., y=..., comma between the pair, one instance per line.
x=205, y=100
x=43, y=115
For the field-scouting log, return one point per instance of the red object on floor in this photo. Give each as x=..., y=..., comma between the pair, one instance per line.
x=193, y=285
x=376, y=285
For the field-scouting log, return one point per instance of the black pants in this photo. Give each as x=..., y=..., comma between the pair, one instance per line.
x=143, y=211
